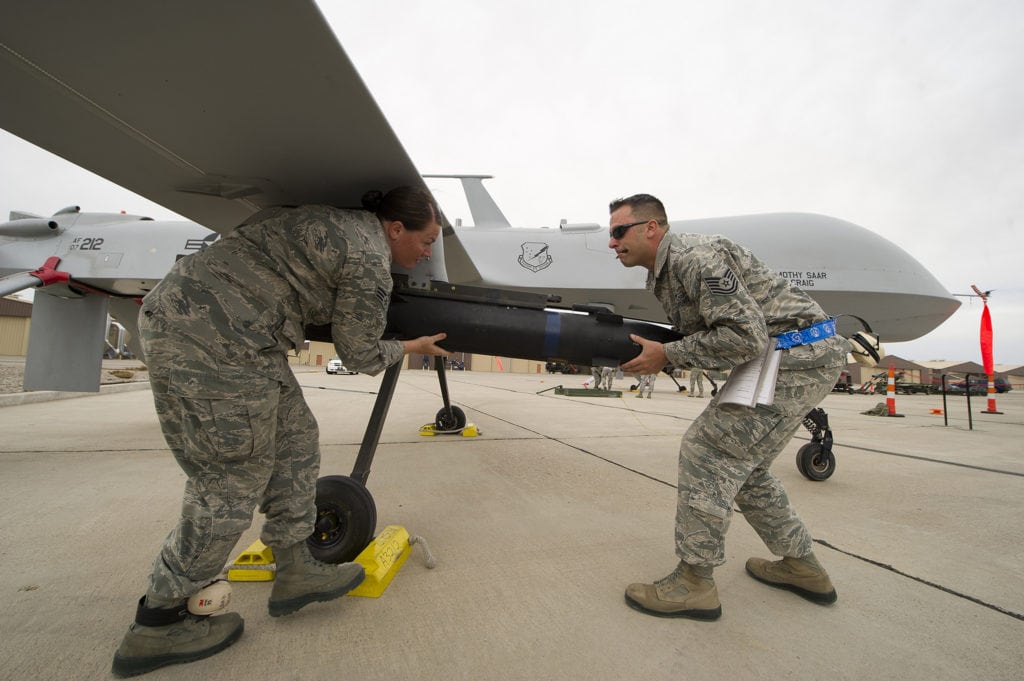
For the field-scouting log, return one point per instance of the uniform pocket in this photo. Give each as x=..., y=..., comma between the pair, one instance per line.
x=714, y=507
x=216, y=383
x=221, y=410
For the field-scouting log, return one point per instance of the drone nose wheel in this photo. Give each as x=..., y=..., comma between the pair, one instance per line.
x=815, y=463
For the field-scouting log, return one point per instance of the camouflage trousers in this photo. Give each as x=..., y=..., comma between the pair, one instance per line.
x=242, y=440
x=696, y=381
x=724, y=458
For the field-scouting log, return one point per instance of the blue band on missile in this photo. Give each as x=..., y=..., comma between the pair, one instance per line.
x=552, y=330
x=811, y=334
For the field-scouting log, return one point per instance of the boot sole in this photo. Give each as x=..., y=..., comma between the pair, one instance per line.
x=701, y=615
x=813, y=596
x=291, y=605
x=133, y=666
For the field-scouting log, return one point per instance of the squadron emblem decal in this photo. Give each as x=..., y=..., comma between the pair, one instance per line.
x=726, y=285
x=535, y=256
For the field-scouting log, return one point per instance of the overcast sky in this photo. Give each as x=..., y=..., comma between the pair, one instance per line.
x=904, y=117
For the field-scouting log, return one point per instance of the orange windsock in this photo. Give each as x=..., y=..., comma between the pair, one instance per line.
x=986, y=359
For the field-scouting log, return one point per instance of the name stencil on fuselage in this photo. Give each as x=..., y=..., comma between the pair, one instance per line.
x=804, y=279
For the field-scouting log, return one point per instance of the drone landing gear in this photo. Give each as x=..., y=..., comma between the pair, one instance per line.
x=714, y=386
x=815, y=460
x=450, y=419
x=346, y=516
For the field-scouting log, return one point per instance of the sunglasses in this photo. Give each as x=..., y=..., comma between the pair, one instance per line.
x=619, y=231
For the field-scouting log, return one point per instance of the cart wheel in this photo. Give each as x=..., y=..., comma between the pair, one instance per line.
x=346, y=519
x=456, y=420
x=814, y=463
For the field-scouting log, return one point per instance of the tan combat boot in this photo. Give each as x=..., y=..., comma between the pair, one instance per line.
x=803, y=576
x=163, y=636
x=688, y=592
x=301, y=579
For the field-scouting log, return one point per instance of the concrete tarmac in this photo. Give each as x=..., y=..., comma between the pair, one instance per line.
x=538, y=524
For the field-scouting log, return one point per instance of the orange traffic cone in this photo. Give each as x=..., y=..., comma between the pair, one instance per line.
x=991, y=396
x=890, y=392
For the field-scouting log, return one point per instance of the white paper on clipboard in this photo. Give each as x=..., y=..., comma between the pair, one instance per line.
x=753, y=382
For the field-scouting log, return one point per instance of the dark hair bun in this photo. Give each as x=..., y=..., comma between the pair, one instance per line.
x=414, y=207
x=372, y=199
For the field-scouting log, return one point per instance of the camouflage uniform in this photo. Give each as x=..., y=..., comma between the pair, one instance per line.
x=216, y=332
x=728, y=304
x=646, y=385
x=696, y=381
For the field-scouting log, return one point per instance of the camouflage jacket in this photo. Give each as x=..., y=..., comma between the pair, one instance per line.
x=247, y=298
x=727, y=304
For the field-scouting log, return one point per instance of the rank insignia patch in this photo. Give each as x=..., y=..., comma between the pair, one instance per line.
x=726, y=285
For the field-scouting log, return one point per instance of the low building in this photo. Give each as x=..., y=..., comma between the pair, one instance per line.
x=15, y=321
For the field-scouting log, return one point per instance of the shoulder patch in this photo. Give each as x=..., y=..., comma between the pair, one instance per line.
x=726, y=285
x=383, y=295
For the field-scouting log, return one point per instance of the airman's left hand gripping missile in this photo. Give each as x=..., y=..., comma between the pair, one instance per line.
x=512, y=324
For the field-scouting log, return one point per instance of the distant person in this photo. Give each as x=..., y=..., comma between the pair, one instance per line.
x=596, y=377
x=426, y=362
x=729, y=307
x=646, y=385
x=696, y=382
x=607, y=376
x=216, y=332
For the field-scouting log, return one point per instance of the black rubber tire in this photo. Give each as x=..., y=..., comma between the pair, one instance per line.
x=444, y=421
x=346, y=519
x=814, y=463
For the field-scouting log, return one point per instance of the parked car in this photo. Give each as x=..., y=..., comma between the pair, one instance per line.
x=335, y=366
x=979, y=386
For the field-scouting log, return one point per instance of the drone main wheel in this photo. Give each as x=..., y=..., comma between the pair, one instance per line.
x=814, y=463
x=445, y=421
x=346, y=519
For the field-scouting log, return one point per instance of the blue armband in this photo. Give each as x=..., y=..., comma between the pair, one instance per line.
x=811, y=334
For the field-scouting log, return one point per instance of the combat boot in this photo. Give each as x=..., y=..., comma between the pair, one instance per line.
x=803, y=576
x=163, y=636
x=302, y=579
x=688, y=592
